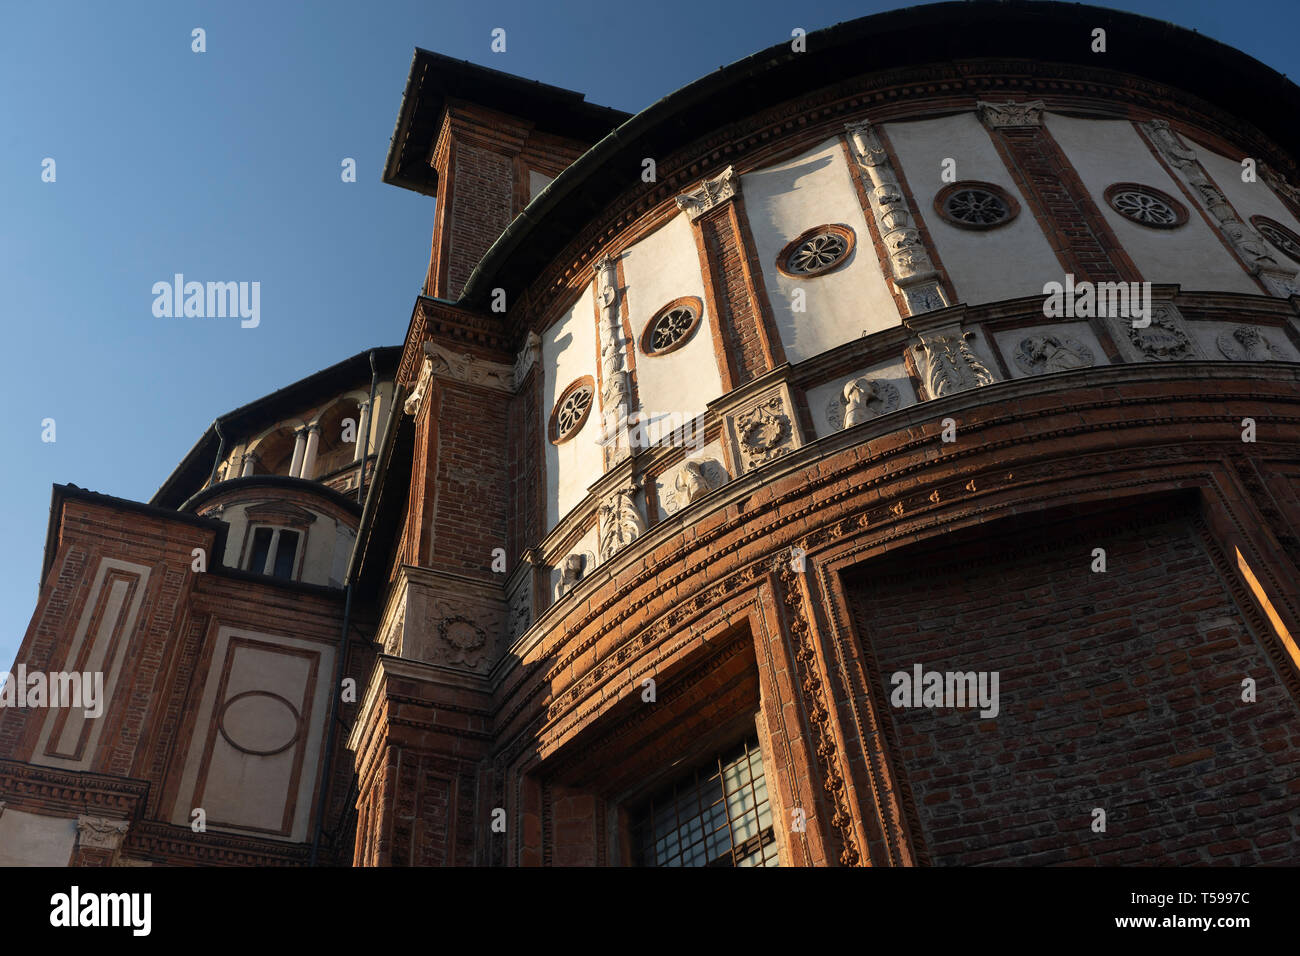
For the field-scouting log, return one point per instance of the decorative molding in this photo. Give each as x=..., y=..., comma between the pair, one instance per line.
x=101, y=833
x=763, y=429
x=520, y=616
x=950, y=365
x=620, y=521
x=616, y=385
x=1011, y=113
x=464, y=367
x=710, y=193
x=1043, y=354
x=572, y=570
x=914, y=274
x=691, y=480
x=1248, y=244
x=861, y=400
x=1279, y=184
x=1245, y=343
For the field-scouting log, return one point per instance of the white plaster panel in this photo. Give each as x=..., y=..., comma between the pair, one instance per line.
x=537, y=182
x=789, y=198
x=985, y=266
x=1104, y=152
x=1009, y=340
x=569, y=351
x=1249, y=199
x=820, y=397
x=249, y=791
x=660, y=268
x=28, y=839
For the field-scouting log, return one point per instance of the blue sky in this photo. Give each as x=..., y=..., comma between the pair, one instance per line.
x=225, y=166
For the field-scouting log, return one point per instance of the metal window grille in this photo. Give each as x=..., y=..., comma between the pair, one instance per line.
x=717, y=815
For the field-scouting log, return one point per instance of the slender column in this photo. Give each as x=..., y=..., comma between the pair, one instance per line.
x=299, y=447
x=363, y=420
x=250, y=463
x=308, y=469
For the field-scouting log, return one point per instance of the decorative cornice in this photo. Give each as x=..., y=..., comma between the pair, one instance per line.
x=464, y=367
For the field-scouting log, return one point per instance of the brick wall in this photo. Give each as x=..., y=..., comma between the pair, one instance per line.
x=1118, y=690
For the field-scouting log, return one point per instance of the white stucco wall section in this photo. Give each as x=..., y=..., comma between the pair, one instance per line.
x=537, y=182
x=661, y=267
x=29, y=839
x=1004, y=263
x=783, y=201
x=569, y=351
x=1249, y=199
x=1104, y=152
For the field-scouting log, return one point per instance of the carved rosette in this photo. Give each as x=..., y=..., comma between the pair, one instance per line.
x=914, y=274
x=1043, y=354
x=763, y=429
x=710, y=193
x=949, y=364
x=620, y=521
x=1011, y=114
x=1165, y=339
x=861, y=400
x=1248, y=244
x=101, y=833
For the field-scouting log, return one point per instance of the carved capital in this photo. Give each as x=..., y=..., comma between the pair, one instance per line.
x=416, y=398
x=101, y=832
x=710, y=193
x=528, y=356
x=1011, y=114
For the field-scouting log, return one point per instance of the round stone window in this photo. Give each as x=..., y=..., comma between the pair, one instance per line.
x=572, y=409
x=1282, y=238
x=974, y=205
x=672, y=326
x=816, y=252
x=1146, y=206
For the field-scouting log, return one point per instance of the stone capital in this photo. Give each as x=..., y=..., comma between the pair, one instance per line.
x=101, y=832
x=1011, y=114
x=710, y=193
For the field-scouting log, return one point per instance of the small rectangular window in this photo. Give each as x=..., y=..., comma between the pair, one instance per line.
x=718, y=815
x=261, y=545
x=285, y=553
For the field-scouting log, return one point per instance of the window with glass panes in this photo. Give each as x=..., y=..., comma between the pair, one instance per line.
x=717, y=815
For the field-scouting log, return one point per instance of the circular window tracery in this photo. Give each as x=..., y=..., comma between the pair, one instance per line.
x=971, y=204
x=672, y=326
x=1146, y=205
x=571, y=409
x=816, y=252
x=1278, y=235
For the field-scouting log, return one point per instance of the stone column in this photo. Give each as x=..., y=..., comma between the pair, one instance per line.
x=299, y=447
x=363, y=421
x=308, y=469
x=250, y=463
